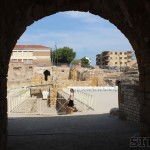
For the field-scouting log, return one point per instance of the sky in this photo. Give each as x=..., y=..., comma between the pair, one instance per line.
x=85, y=33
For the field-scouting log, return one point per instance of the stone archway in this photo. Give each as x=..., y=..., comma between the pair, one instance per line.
x=131, y=17
x=46, y=74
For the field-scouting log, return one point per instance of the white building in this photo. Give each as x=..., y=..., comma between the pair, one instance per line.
x=88, y=59
x=31, y=54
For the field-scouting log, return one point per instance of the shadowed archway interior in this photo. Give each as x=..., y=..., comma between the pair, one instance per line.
x=46, y=74
x=131, y=17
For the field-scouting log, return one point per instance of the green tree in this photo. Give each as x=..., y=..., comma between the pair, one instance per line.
x=63, y=55
x=85, y=62
x=76, y=62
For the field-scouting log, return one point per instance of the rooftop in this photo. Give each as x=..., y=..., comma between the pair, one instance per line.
x=33, y=47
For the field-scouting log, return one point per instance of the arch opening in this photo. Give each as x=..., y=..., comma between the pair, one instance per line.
x=86, y=16
x=53, y=72
x=46, y=74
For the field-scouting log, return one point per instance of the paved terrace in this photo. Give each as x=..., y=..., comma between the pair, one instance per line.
x=72, y=132
x=87, y=132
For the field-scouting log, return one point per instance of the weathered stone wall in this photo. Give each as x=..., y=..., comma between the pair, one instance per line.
x=15, y=84
x=53, y=97
x=129, y=104
x=93, y=77
x=20, y=72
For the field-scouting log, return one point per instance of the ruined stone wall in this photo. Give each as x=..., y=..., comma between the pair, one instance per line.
x=129, y=105
x=19, y=75
x=18, y=84
x=20, y=72
x=23, y=75
x=53, y=97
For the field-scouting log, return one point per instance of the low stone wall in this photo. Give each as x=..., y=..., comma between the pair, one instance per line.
x=129, y=105
x=15, y=84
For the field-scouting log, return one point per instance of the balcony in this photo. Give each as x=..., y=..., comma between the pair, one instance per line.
x=106, y=53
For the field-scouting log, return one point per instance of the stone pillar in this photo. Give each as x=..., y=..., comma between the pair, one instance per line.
x=53, y=97
x=129, y=106
x=3, y=112
x=145, y=100
x=4, y=61
x=120, y=101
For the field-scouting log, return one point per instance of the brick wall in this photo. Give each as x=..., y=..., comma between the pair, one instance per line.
x=129, y=105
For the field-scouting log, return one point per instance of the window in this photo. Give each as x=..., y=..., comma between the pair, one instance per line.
x=115, y=62
x=120, y=62
x=16, y=68
x=19, y=53
x=27, y=53
x=14, y=60
x=27, y=61
x=120, y=53
x=115, y=53
x=120, y=57
x=125, y=57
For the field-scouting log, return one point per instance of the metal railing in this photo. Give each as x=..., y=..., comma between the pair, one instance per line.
x=84, y=101
x=94, y=88
x=15, y=99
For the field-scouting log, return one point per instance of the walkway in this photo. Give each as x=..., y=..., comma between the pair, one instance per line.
x=105, y=101
x=71, y=132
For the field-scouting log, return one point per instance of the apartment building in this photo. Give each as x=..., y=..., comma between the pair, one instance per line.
x=31, y=54
x=108, y=59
